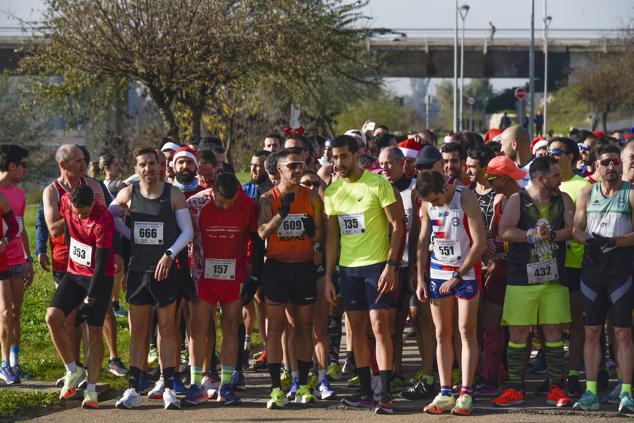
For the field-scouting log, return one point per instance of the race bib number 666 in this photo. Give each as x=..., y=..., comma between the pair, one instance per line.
x=148, y=233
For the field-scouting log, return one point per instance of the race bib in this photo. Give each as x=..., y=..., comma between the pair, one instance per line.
x=148, y=233
x=80, y=253
x=543, y=271
x=222, y=269
x=447, y=250
x=351, y=224
x=291, y=226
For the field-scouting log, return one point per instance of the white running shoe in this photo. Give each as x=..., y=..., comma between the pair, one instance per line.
x=157, y=391
x=210, y=388
x=130, y=399
x=170, y=402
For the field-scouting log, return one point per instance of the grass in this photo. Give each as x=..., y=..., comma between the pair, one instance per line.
x=15, y=402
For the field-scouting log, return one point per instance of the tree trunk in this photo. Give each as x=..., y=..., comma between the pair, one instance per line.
x=164, y=105
x=604, y=121
x=196, y=121
x=229, y=139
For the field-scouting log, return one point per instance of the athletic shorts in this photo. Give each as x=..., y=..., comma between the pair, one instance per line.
x=72, y=290
x=465, y=290
x=495, y=283
x=21, y=270
x=542, y=304
x=294, y=283
x=573, y=279
x=602, y=293
x=58, y=276
x=222, y=292
x=359, y=288
x=5, y=275
x=144, y=289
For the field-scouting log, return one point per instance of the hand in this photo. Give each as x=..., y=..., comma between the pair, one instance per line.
x=286, y=201
x=447, y=286
x=364, y=128
x=30, y=275
x=248, y=290
x=421, y=292
x=163, y=268
x=84, y=312
x=309, y=226
x=387, y=281
x=330, y=292
x=44, y=262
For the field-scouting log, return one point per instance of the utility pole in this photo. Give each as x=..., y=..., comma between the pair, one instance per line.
x=455, y=73
x=531, y=73
x=464, y=10
x=427, y=105
x=547, y=20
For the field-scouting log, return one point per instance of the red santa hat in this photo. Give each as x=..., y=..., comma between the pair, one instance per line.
x=186, y=152
x=410, y=148
x=538, y=143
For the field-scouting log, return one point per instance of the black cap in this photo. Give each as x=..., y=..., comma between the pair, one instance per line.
x=428, y=155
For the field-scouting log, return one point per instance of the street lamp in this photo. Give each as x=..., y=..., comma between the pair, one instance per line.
x=547, y=20
x=455, y=74
x=464, y=10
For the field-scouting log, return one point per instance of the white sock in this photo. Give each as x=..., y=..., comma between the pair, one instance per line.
x=91, y=387
x=247, y=342
x=321, y=375
x=295, y=375
x=71, y=367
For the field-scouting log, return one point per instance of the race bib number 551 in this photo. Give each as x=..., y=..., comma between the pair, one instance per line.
x=148, y=233
x=351, y=224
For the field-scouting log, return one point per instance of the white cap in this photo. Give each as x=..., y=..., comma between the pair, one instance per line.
x=170, y=146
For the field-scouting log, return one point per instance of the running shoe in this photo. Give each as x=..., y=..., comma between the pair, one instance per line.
x=304, y=395
x=21, y=373
x=120, y=312
x=614, y=397
x=116, y=367
x=258, y=354
x=358, y=401
x=558, y=397
x=130, y=399
x=227, y=395
x=211, y=388
x=286, y=379
x=170, y=402
x=440, y=404
x=397, y=383
x=334, y=371
x=384, y=405
x=278, y=400
x=573, y=386
x=261, y=364
x=626, y=405
x=291, y=393
x=418, y=376
x=90, y=400
x=7, y=375
x=348, y=366
x=71, y=380
x=486, y=390
x=603, y=379
x=195, y=395
x=324, y=391
x=420, y=390
x=237, y=380
x=587, y=402
x=152, y=357
x=144, y=384
x=354, y=382
x=464, y=406
x=178, y=385
x=157, y=391
x=60, y=382
x=509, y=397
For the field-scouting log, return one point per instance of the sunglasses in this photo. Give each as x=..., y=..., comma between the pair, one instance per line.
x=309, y=184
x=293, y=165
x=556, y=152
x=608, y=162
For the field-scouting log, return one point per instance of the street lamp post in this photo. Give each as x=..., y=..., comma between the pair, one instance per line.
x=531, y=72
x=455, y=74
x=547, y=20
x=464, y=10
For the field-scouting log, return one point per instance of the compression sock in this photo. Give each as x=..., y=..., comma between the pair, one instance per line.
x=366, y=380
x=274, y=371
x=626, y=387
x=196, y=375
x=14, y=355
x=386, y=379
x=516, y=361
x=247, y=342
x=554, y=354
x=591, y=385
x=227, y=372
x=322, y=375
x=304, y=368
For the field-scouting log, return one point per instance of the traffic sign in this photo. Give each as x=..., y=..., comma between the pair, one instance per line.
x=471, y=100
x=520, y=93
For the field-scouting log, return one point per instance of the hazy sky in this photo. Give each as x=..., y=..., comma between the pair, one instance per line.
x=597, y=16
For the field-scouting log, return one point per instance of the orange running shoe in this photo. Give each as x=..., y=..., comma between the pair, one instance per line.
x=508, y=398
x=558, y=397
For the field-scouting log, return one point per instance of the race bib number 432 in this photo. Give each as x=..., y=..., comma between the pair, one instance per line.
x=351, y=224
x=149, y=233
x=80, y=253
x=543, y=271
x=222, y=269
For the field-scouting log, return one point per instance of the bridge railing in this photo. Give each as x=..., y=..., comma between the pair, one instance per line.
x=506, y=33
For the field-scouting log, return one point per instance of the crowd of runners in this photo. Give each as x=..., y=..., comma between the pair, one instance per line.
x=484, y=248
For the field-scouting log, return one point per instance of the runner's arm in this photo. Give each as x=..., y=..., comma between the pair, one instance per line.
x=580, y=222
x=258, y=254
x=569, y=215
x=318, y=217
x=13, y=226
x=41, y=231
x=627, y=239
x=332, y=246
x=395, y=214
x=54, y=221
x=414, y=230
x=267, y=223
x=184, y=221
x=118, y=208
x=101, y=261
x=476, y=228
x=422, y=243
x=510, y=218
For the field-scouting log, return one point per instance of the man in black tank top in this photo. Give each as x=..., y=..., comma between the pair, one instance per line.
x=160, y=228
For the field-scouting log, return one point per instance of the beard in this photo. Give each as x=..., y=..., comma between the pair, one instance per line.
x=185, y=177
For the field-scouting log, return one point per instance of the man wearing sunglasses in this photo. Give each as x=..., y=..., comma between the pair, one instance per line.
x=566, y=152
x=290, y=221
x=604, y=223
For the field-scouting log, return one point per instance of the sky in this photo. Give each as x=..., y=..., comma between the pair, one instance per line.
x=596, y=18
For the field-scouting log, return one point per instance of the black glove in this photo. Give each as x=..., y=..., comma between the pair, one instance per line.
x=309, y=226
x=84, y=312
x=605, y=243
x=248, y=290
x=286, y=200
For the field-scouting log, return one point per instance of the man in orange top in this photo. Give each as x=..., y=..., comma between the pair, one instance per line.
x=290, y=220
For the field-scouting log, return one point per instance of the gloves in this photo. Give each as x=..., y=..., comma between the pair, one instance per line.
x=286, y=200
x=84, y=312
x=248, y=290
x=309, y=226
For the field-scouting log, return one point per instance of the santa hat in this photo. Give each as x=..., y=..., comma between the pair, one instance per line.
x=410, y=148
x=538, y=143
x=491, y=134
x=186, y=152
x=355, y=133
x=598, y=134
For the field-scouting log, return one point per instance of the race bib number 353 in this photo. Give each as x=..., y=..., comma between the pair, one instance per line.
x=222, y=269
x=148, y=233
x=351, y=224
x=80, y=253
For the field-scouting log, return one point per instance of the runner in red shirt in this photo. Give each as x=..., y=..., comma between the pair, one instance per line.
x=224, y=220
x=86, y=286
